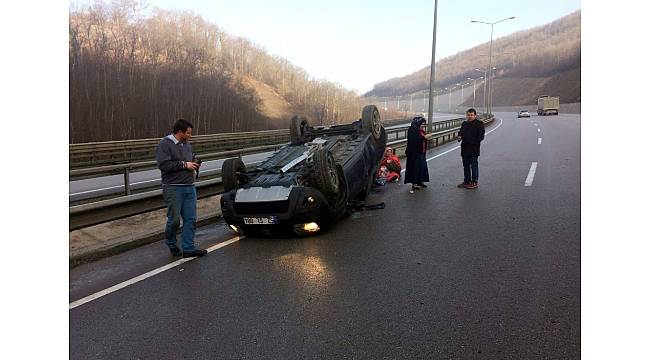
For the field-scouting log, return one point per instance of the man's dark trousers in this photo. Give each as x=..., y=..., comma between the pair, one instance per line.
x=470, y=169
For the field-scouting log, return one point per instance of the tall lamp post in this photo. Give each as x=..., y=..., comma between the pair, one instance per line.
x=491, y=87
x=462, y=94
x=485, y=94
x=435, y=100
x=473, y=92
x=490, y=60
x=433, y=68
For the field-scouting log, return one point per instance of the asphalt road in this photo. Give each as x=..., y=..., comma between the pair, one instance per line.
x=114, y=184
x=492, y=273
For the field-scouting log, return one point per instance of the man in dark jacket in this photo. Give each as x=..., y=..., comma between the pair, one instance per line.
x=472, y=132
x=177, y=168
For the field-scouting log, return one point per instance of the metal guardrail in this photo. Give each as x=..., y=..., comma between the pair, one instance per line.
x=126, y=169
x=108, y=153
x=86, y=215
x=129, y=151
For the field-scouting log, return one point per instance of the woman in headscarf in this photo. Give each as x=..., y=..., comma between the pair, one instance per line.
x=417, y=171
x=392, y=164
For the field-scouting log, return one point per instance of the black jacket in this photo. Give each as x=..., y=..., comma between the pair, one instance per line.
x=471, y=133
x=415, y=142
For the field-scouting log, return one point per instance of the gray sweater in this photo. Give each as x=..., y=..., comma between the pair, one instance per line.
x=171, y=156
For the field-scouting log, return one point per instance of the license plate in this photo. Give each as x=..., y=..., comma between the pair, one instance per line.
x=261, y=220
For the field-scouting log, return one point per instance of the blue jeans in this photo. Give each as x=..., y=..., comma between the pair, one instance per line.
x=470, y=169
x=181, y=203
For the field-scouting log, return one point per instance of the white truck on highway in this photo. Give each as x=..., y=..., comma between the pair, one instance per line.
x=548, y=105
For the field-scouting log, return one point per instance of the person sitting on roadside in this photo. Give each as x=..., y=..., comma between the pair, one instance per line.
x=392, y=164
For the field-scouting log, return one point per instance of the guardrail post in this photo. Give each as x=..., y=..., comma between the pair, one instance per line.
x=127, y=185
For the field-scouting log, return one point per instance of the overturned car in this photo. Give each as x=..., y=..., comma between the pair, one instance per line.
x=307, y=184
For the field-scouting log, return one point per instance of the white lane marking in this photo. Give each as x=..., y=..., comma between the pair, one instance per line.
x=146, y=275
x=539, y=141
x=535, y=124
x=531, y=174
x=539, y=130
x=114, y=187
x=456, y=147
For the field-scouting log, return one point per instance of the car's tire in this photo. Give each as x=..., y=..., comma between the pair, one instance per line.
x=231, y=171
x=370, y=121
x=326, y=172
x=297, y=129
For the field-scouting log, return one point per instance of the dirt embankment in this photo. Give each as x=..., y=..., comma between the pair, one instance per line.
x=274, y=107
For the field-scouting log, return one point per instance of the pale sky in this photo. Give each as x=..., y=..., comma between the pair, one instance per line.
x=360, y=43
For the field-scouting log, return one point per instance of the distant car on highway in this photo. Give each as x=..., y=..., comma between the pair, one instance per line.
x=307, y=184
x=523, y=113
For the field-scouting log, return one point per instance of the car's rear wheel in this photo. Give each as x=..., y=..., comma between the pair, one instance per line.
x=370, y=121
x=297, y=129
x=232, y=173
x=325, y=172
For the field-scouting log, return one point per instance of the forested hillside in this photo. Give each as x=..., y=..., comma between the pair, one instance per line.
x=540, y=52
x=133, y=72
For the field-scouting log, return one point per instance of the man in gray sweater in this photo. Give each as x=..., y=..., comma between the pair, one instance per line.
x=177, y=168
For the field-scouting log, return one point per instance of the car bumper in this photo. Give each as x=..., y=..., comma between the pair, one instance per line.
x=294, y=211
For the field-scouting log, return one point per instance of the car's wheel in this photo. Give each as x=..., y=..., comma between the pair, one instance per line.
x=370, y=122
x=297, y=129
x=231, y=173
x=325, y=172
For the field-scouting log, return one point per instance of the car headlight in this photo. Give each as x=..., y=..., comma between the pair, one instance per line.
x=306, y=228
x=236, y=229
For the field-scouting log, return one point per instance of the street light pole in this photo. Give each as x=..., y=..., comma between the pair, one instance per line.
x=474, y=92
x=435, y=99
x=462, y=94
x=484, y=87
x=490, y=60
x=433, y=67
x=491, y=87
x=485, y=81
